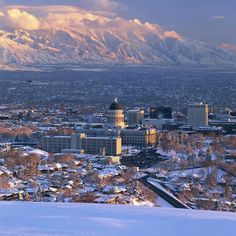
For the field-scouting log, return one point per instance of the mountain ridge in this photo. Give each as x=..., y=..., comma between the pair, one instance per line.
x=99, y=40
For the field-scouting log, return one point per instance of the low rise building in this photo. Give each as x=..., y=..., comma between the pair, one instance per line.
x=54, y=144
x=102, y=145
x=157, y=123
x=229, y=126
x=90, y=145
x=138, y=136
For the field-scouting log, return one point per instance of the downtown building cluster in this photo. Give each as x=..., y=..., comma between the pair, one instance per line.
x=107, y=133
x=106, y=138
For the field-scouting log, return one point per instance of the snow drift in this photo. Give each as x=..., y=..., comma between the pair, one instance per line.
x=31, y=219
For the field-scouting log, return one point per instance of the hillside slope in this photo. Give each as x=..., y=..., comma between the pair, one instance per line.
x=49, y=219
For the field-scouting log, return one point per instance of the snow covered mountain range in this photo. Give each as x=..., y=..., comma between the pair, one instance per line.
x=88, y=38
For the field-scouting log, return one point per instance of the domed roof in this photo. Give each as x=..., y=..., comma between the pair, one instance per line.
x=115, y=105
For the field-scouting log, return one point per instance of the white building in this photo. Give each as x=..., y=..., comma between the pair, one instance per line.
x=115, y=115
x=138, y=136
x=198, y=114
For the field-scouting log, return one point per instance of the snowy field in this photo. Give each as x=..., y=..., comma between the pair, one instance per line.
x=50, y=219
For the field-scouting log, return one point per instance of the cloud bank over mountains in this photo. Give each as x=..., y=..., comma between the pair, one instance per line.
x=211, y=21
x=48, y=35
x=69, y=17
x=16, y=19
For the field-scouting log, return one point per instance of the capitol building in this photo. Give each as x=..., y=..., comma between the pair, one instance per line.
x=106, y=138
x=115, y=115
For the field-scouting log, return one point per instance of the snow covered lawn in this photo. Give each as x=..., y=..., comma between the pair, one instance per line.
x=44, y=219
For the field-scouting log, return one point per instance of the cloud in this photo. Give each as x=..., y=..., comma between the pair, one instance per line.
x=218, y=18
x=16, y=19
x=51, y=17
x=97, y=5
x=72, y=19
x=102, y=5
x=172, y=34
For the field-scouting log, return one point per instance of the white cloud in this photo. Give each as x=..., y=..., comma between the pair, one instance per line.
x=102, y=5
x=71, y=19
x=172, y=34
x=218, y=17
x=16, y=19
x=68, y=17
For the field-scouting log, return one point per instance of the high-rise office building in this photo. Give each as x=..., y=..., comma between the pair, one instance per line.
x=135, y=117
x=198, y=114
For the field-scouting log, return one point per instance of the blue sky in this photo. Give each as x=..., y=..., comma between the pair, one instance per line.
x=212, y=21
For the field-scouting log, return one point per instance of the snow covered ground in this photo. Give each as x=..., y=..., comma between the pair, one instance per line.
x=52, y=219
x=161, y=202
x=198, y=172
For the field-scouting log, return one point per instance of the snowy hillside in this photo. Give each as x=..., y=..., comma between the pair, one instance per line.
x=88, y=38
x=48, y=219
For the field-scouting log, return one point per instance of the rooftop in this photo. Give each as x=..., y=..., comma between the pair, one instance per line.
x=115, y=105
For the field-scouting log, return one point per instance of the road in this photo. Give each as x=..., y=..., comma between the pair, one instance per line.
x=170, y=198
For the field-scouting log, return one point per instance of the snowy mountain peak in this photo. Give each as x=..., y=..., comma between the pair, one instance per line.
x=81, y=37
